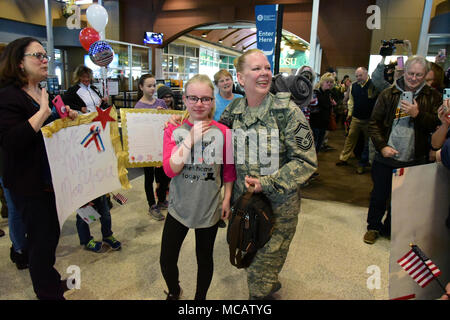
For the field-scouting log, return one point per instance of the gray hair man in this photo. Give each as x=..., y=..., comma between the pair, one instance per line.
x=399, y=130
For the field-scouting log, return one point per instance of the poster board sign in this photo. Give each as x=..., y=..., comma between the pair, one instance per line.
x=142, y=135
x=86, y=159
x=420, y=206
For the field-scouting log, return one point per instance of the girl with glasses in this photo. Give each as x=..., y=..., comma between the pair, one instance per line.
x=195, y=189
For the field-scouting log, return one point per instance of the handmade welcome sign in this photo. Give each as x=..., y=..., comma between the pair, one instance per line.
x=86, y=159
x=142, y=134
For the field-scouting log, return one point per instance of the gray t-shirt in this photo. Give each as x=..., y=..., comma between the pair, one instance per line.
x=402, y=136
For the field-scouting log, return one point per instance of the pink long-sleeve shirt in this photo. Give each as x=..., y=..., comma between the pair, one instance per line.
x=195, y=197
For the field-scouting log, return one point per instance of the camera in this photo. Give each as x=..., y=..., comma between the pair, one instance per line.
x=388, y=47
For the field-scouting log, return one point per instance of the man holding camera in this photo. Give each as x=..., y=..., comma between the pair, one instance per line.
x=384, y=75
x=363, y=95
x=399, y=130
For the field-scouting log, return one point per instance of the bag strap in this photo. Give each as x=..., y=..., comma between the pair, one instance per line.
x=236, y=233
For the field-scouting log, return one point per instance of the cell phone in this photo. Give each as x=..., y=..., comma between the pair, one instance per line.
x=60, y=106
x=408, y=96
x=400, y=63
x=446, y=96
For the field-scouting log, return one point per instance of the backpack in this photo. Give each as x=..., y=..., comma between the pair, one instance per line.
x=250, y=227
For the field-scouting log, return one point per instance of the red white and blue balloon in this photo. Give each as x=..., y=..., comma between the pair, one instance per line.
x=101, y=53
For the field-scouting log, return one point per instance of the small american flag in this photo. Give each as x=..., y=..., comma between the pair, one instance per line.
x=419, y=266
x=120, y=198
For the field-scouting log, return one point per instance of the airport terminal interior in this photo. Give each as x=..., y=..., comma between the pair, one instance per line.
x=173, y=40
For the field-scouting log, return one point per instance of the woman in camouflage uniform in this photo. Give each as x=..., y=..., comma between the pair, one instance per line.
x=295, y=161
x=261, y=111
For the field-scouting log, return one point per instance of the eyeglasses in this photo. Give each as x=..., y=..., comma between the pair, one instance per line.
x=204, y=100
x=41, y=56
x=412, y=74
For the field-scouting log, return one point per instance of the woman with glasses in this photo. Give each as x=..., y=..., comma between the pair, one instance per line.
x=292, y=161
x=195, y=189
x=24, y=109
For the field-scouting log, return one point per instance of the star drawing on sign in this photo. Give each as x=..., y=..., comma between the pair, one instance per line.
x=103, y=116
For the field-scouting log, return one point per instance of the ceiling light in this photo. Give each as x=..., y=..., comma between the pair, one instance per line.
x=204, y=35
x=220, y=41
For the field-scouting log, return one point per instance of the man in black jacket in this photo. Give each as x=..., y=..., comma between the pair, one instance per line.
x=400, y=131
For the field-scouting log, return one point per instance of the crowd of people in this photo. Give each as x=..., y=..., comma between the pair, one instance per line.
x=396, y=131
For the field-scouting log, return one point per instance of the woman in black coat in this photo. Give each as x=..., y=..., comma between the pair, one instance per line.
x=83, y=96
x=24, y=109
x=320, y=113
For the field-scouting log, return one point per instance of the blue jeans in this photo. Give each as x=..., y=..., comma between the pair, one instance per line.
x=319, y=135
x=84, y=233
x=380, y=198
x=16, y=225
x=364, y=161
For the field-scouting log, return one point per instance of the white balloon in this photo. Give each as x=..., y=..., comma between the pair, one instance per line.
x=97, y=17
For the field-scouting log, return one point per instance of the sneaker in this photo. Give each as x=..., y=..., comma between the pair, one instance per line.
x=113, y=243
x=163, y=205
x=155, y=213
x=95, y=246
x=222, y=224
x=171, y=296
x=326, y=148
x=341, y=163
x=371, y=236
x=360, y=170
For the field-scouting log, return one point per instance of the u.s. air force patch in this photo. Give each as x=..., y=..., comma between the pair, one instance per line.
x=303, y=137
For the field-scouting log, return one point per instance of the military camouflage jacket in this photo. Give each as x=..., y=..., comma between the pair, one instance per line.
x=281, y=167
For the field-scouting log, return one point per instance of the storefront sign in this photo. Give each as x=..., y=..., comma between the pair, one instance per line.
x=266, y=27
x=292, y=61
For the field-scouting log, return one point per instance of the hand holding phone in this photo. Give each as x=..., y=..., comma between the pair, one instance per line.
x=407, y=96
x=400, y=64
x=446, y=103
x=60, y=107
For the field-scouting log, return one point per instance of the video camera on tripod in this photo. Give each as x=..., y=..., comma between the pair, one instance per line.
x=388, y=47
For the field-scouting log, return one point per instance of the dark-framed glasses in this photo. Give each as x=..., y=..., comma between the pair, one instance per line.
x=41, y=56
x=204, y=100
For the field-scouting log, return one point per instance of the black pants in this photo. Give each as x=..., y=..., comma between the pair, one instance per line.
x=42, y=227
x=380, y=198
x=173, y=236
x=159, y=175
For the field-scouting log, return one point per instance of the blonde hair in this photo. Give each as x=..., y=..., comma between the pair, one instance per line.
x=79, y=72
x=326, y=77
x=200, y=78
x=239, y=62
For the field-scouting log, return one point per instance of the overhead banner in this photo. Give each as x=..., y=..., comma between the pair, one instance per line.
x=266, y=29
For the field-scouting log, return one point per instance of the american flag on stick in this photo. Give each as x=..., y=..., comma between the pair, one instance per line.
x=419, y=266
x=120, y=198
